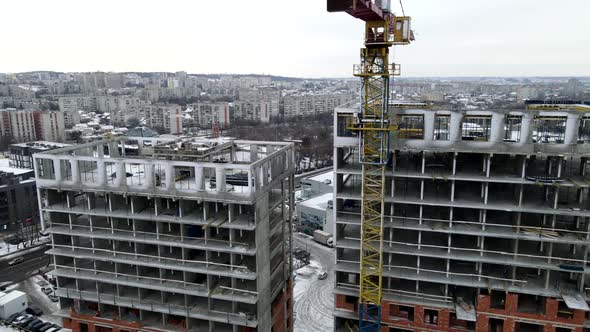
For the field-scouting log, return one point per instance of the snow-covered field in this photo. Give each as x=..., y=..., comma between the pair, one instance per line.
x=314, y=298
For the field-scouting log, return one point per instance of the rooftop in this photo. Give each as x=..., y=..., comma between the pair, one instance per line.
x=318, y=202
x=41, y=145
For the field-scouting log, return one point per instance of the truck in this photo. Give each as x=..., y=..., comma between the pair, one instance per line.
x=324, y=238
x=11, y=303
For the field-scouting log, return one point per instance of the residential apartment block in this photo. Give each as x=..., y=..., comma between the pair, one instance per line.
x=185, y=235
x=310, y=104
x=206, y=114
x=487, y=223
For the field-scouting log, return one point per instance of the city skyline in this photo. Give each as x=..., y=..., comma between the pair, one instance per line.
x=490, y=39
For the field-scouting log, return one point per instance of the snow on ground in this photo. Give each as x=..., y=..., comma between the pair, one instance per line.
x=314, y=298
x=32, y=287
x=7, y=249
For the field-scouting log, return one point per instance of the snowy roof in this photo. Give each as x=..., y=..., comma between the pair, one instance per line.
x=142, y=132
x=323, y=177
x=318, y=202
x=7, y=297
x=4, y=167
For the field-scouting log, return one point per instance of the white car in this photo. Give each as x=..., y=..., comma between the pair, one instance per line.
x=15, y=261
x=323, y=275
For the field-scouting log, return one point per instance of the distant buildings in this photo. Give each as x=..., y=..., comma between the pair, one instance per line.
x=253, y=111
x=21, y=154
x=206, y=114
x=18, y=197
x=310, y=104
x=166, y=117
x=29, y=125
x=17, y=125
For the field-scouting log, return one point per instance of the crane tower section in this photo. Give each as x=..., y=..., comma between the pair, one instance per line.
x=374, y=124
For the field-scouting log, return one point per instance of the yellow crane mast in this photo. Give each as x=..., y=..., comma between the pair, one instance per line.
x=374, y=125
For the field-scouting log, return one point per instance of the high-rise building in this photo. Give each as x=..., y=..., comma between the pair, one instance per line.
x=185, y=234
x=164, y=116
x=18, y=125
x=310, y=104
x=487, y=223
x=206, y=114
x=50, y=126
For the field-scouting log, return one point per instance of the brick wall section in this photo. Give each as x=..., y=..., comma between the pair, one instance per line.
x=342, y=304
x=282, y=310
x=511, y=316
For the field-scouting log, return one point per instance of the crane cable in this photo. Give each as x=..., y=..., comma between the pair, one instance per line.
x=401, y=5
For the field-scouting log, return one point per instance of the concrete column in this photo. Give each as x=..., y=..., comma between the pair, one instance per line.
x=100, y=173
x=526, y=129
x=75, y=171
x=169, y=171
x=199, y=179
x=100, y=151
x=428, y=127
x=114, y=150
x=253, y=153
x=497, y=134
x=121, y=178
x=251, y=183
x=57, y=169
x=220, y=179
x=149, y=175
x=571, y=129
x=455, y=126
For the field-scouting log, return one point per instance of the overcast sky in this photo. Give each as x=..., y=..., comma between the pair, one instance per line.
x=292, y=38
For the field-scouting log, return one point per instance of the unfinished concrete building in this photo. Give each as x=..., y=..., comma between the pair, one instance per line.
x=188, y=234
x=487, y=225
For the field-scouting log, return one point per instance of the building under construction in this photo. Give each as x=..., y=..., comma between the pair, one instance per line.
x=157, y=234
x=486, y=220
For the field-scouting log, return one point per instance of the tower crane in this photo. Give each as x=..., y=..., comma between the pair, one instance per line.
x=374, y=124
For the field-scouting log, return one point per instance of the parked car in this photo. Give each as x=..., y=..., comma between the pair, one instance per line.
x=25, y=321
x=36, y=325
x=20, y=319
x=47, y=290
x=30, y=324
x=53, y=298
x=15, y=261
x=55, y=328
x=34, y=310
x=43, y=327
x=12, y=317
x=323, y=275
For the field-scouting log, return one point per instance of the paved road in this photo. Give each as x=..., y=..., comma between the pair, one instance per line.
x=314, y=298
x=33, y=261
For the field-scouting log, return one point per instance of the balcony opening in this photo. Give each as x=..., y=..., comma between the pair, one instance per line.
x=496, y=325
x=498, y=300
x=531, y=304
x=564, y=312
x=442, y=126
x=476, y=128
x=344, y=121
x=527, y=327
x=411, y=127
x=512, y=128
x=584, y=130
x=431, y=316
x=549, y=129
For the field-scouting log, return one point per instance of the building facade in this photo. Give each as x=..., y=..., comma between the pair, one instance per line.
x=18, y=197
x=18, y=125
x=187, y=235
x=311, y=104
x=487, y=225
x=50, y=126
x=206, y=114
